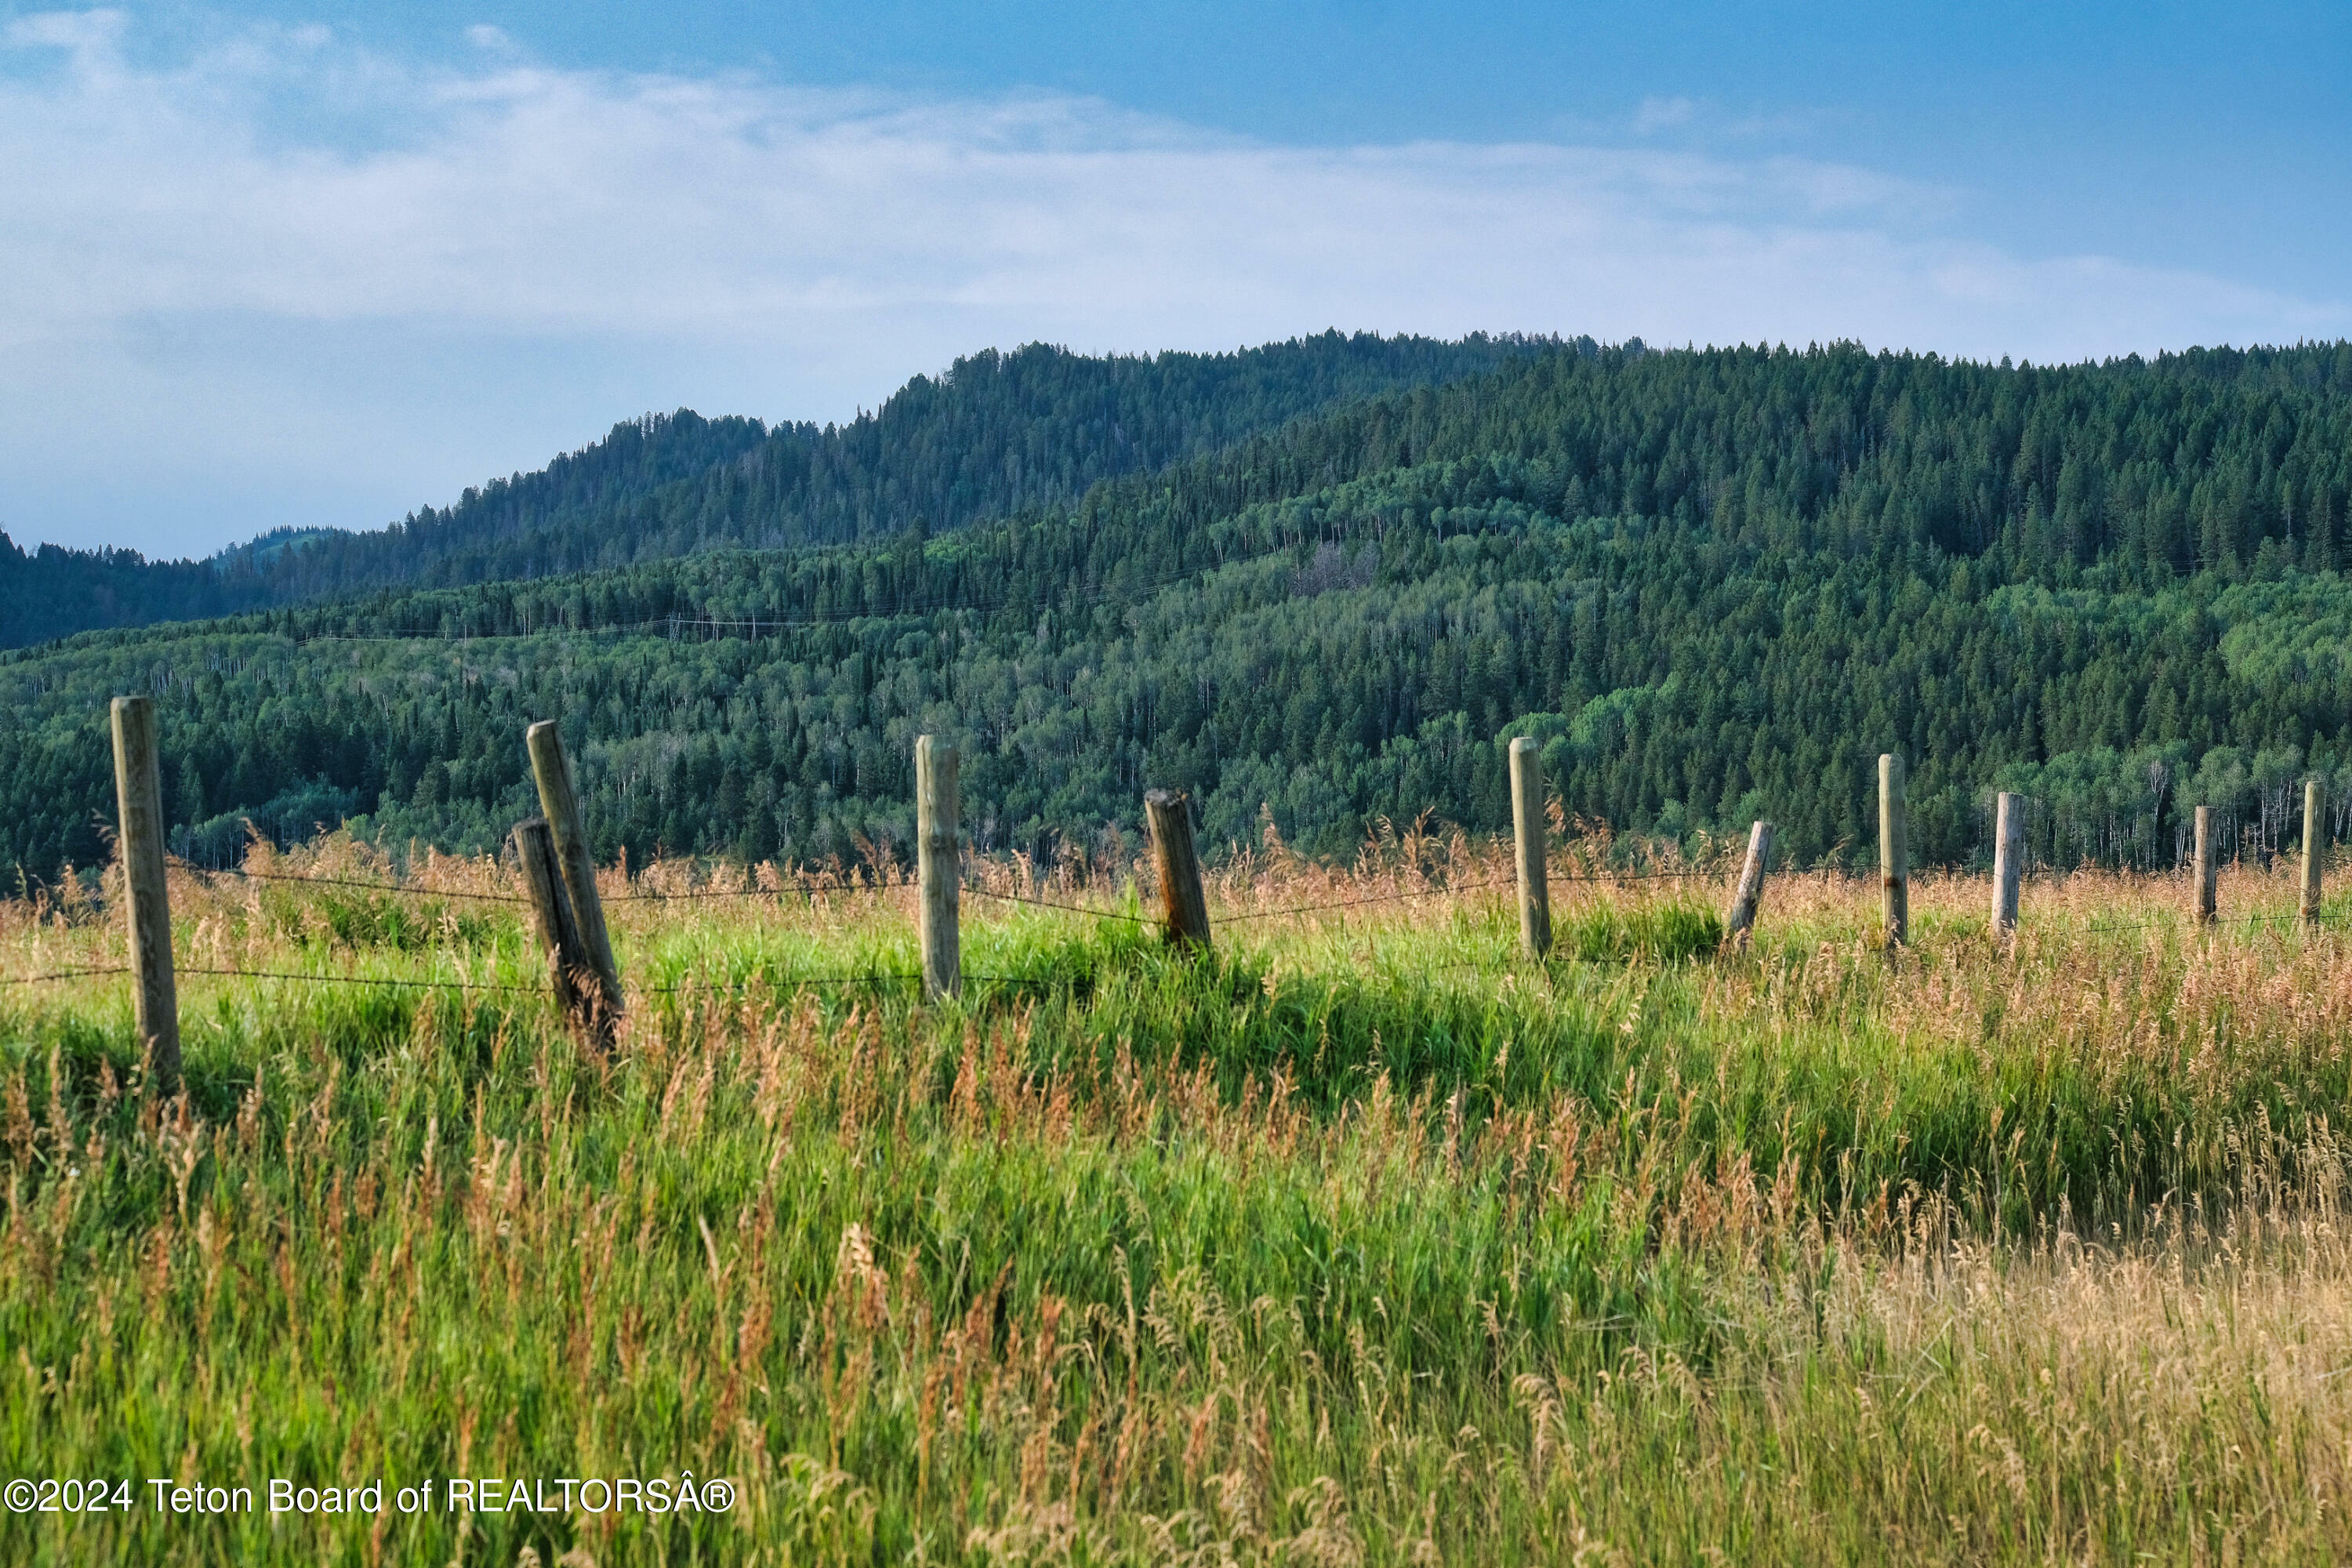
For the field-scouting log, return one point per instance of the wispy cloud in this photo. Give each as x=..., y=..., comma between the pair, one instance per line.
x=224, y=221
x=1663, y=113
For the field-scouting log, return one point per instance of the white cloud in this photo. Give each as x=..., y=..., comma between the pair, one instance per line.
x=83, y=32
x=525, y=254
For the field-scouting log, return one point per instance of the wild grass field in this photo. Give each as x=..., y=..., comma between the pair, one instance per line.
x=1364, y=1239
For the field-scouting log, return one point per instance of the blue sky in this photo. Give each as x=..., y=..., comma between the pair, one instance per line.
x=321, y=263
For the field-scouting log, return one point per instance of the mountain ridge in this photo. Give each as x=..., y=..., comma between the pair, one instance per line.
x=994, y=433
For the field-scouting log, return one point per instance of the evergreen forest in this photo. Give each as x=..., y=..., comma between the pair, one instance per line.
x=1317, y=585
x=994, y=435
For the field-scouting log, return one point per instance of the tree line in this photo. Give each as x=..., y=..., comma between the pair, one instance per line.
x=1713, y=586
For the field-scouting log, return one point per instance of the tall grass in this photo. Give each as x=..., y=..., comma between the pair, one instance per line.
x=1361, y=1240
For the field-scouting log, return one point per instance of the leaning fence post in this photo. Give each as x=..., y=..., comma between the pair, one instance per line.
x=1184, y=908
x=569, y=965
x=1750, y=891
x=1894, y=848
x=2202, y=905
x=2008, y=864
x=560, y=802
x=2315, y=848
x=138, y=809
x=1528, y=838
x=938, y=866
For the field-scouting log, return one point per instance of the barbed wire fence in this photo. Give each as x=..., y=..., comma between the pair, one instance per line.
x=566, y=903
x=2282, y=921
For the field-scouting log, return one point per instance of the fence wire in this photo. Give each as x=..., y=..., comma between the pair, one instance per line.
x=696, y=894
x=359, y=979
x=1054, y=904
x=65, y=975
x=2173, y=922
x=410, y=891
x=885, y=977
x=751, y=983
x=1236, y=918
x=1367, y=898
x=692, y=894
x=2285, y=919
x=398, y=888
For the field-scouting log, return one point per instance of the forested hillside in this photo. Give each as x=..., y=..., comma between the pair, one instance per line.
x=996, y=434
x=1715, y=584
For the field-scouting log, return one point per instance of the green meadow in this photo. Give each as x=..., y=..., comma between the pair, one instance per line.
x=1362, y=1239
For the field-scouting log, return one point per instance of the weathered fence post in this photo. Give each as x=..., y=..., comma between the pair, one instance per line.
x=570, y=969
x=1750, y=891
x=1894, y=848
x=1184, y=908
x=561, y=804
x=1528, y=835
x=2203, y=902
x=2008, y=864
x=938, y=866
x=2315, y=848
x=146, y=899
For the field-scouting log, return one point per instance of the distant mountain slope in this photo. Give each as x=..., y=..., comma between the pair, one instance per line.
x=1713, y=585
x=997, y=433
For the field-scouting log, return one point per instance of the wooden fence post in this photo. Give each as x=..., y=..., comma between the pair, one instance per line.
x=1528, y=836
x=1894, y=848
x=2315, y=848
x=2008, y=864
x=561, y=804
x=570, y=969
x=138, y=809
x=2203, y=902
x=1750, y=891
x=1184, y=908
x=938, y=866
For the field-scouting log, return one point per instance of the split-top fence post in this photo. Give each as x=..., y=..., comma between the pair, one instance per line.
x=560, y=801
x=570, y=969
x=1741, y=920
